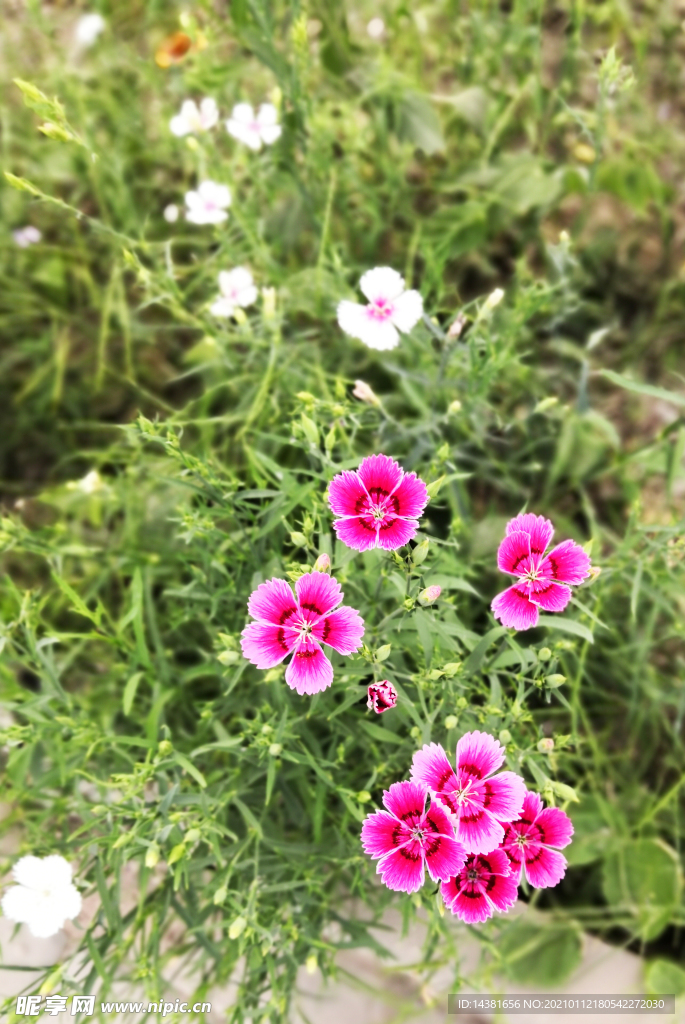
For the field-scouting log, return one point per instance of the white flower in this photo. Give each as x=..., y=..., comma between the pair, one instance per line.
x=192, y=120
x=24, y=237
x=88, y=28
x=237, y=291
x=171, y=213
x=208, y=205
x=391, y=309
x=375, y=28
x=254, y=131
x=44, y=898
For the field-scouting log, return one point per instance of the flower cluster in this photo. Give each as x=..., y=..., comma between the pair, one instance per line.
x=254, y=130
x=482, y=831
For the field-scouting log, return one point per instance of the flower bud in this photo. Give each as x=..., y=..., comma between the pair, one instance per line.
x=451, y=668
x=456, y=327
x=363, y=796
x=364, y=393
x=192, y=835
x=311, y=963
x=237, y=928
x=298, y=539
x=228, y=657
x=164, y=748
x=152, y=856
x=383, y=653
x=555, y=680
x=493, y=300
x=546, y=745
x=505, y=737
x=454, y=407
x=420, y=553
x=430, y=595
x=219, y=895
x=544, y=654
x=450, y=721
x=323, y=563
x=275, y=749
x=268, y=303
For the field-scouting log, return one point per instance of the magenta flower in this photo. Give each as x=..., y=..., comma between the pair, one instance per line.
x=300, y=624
x=407, y=838
x=382, y=696
x=543, y=580
x=482, y=886
x=527, y=843
x=379, y=505
x=477, y=799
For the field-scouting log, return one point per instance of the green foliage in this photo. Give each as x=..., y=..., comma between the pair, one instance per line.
x=471, y=149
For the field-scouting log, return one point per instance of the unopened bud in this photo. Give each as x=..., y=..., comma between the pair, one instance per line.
x=298, y=539
x=228, y=657
x=323, y=563
x=505, y=737
x=430, y=595
x=363, y=796
x=456, y=327
x=311, y=963
x=420, y=553
x=454, y=407
x=237, y=928
x=493, y=300
x=451, y=668
x=275, y=749
x=192, y=835
x=450, y=721
x=544, y=654
x=555, y=680
x=152, y=856
x=383, y=653
x=268, y=303
x=364, y=393
x=546, y=745
x=164, y=748
x=219, y=896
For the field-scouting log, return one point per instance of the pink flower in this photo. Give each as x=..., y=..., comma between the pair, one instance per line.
x=542, y=579
x=208, y=204
x=300, y=624
x=478, y=802
x=527, y=843
x=482, y=886
x=407, y=838
x=379, y=505
x=254, y=131
x=391, y=309
x=382, y=696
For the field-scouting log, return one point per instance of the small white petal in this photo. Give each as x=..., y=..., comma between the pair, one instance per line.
x=244, y=133
x=375, y=28
x=270, y=134
x=247, y=296
x=407, y=310
x=212, y=192
x=21, y=904
x=356, y=321
x=209, y=113
x=233, y=280
x=243, y=113
x=171, y=213
x=32, y=234
x=88, y=28
x=179, y=126
x=267, y=116
x=382, y=283
x=222, y=307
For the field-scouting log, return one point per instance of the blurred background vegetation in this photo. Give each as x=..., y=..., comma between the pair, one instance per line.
x=528, y=145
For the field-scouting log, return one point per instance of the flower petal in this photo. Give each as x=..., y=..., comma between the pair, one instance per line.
x=478, y=831
x=543, y=867
x=514, y=555
x=382, y=284
x=539, y=529
x=178, y=125
x=267, y=116
x=270, y=133
x=444, y=857
x=551, y=597
x=243, y=113
x=394, y=533
x=318, y=593
x=247, y=135
x=209, y=113
x=503, y=795
x=346, y=494
x=431, y=768
x=273, y=602
x=410, y=497
x=403, y=869
x=407, y=311
x=567, y=562
x=266, y=645
x=514, y=610
x=554, y=826
x=479, y=754
x=469, y=903
x=309, y=670
x=380, y=474
x=213, y=192
x=407, y=801
x=358, y=533
x=343, y=630
x=382, y=832
x=21, y=904
x=358, y=322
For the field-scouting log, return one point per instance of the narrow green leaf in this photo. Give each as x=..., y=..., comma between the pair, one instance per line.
x=566, y=626
x=183, y=761
x=130, y=692
x=639, y=388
